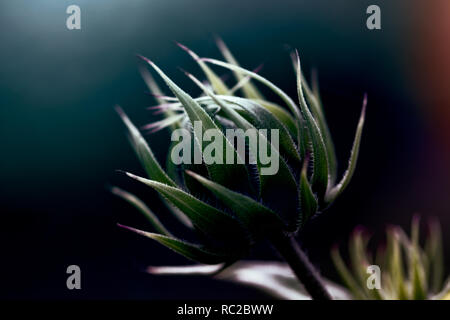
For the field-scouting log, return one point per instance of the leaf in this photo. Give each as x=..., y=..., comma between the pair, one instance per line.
x=417, y=272
x=206, y=218
x=164, y=123
x=190, y=251
x=346, y=275
x=192, y=108
x=249, y=90
x=149, y=162
x=328, y=140
x=253, y=214
x=358, y=256
x=308, y=202
x=157, y=93
x=419, y=290
x=291, y=104
x=360, y=261
x=222, y=173
x=144, y=153
x=320, y=177
x=140, y=205
x=177, y=213
x=286, y=99
x=261, y=118
x=160, y=108
x=217, y=83
x=264, y=115
x=395, y=263
x=315, y=87
x=282, y=115
x=151, y=84
x=239, y=85
x=271, y=184
x=173, y=170
x=313, y=100
x=334, y=192
x=435, y=255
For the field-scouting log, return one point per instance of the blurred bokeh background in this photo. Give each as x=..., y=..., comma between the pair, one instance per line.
x=61, y=140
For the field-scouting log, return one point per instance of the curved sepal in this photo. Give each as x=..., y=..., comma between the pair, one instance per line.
x=142, y=207
x=313, y=100
x=188, y=250
x=308, y=201
x=286, y=99
x=255, y=216
x=144, y=153
x=274, y=181
x=319, y=179
x=249, y=90
x=207, y=219
x=221, y=173
x=217, y=84
x=334, y=192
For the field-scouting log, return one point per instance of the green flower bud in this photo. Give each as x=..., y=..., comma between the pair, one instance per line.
x=283, y=174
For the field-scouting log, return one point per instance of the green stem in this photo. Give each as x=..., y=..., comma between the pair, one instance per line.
x=302, y=267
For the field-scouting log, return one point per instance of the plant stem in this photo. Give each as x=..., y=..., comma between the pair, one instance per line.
x=302, y=267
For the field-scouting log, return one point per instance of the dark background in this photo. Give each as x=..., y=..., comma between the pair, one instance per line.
x=61, y=140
